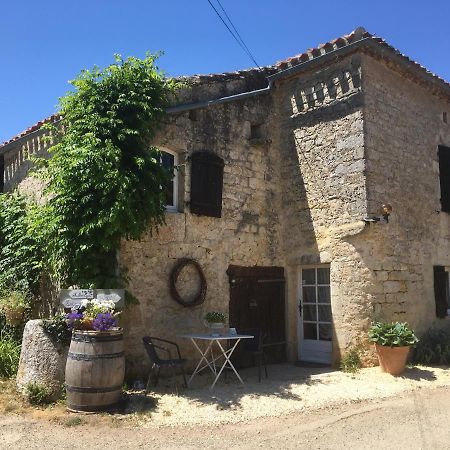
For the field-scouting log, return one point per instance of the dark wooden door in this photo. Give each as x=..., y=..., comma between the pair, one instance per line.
x=257, y=302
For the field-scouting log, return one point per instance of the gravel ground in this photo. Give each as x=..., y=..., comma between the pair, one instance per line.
x=411, y=420
x=288, y=389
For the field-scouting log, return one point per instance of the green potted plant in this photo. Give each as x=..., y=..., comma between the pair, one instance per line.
x=215, y=320
x=13, y=306
x=392, y=343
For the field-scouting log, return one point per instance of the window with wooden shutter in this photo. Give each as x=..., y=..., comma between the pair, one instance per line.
x=2, y=173
x=444, y=177
x=441, y=291
x=206, y=184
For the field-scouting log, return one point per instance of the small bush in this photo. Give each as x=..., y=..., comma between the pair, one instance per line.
x=433, y=348
x=37, y=394
x=351, y=361
x=9, y=356
x=58, y=330
x=13, y=306
x=74, y=422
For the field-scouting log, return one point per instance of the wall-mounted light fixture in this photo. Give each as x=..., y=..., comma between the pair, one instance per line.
x=385, y=211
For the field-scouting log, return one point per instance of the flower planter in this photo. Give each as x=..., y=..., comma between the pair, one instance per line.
x=215, y=327
x=95, y=370
x=392, y=359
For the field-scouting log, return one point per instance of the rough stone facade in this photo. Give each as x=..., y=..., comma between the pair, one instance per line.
x=404, y=126
x=306, y=162
x=247, y=234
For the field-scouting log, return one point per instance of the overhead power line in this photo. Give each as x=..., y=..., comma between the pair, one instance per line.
x=237, y=37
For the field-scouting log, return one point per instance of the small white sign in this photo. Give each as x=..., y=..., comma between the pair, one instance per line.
x=71, y=303
x=72, y=298
x=109, y=297
x=81, y=293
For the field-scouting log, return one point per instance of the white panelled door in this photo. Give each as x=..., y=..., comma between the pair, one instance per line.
x=315, y=323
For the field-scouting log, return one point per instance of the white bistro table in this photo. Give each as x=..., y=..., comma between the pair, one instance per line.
x=208, y=359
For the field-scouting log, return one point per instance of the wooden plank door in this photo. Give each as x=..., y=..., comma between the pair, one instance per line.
x=257, y=301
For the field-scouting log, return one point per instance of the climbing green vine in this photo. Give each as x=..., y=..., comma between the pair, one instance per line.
x=21, y=245
x=103, y=180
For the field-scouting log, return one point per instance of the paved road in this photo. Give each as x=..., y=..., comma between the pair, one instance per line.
x=417, y=420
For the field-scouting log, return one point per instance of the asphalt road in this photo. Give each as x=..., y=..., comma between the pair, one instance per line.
x=416, y=420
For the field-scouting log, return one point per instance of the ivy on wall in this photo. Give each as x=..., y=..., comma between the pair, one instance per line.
x=21, y=255
x=103, y=181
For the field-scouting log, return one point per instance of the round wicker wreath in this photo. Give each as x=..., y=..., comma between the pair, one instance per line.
x=179, y=266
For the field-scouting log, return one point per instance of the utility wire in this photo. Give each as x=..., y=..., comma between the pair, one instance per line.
x=237, y=32
x=240, y=42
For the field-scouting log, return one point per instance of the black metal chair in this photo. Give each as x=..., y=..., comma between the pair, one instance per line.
x=152, y=345
x=255, y=347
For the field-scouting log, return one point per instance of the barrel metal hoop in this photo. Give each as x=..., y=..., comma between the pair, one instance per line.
x=87, y=338
x=84, y=357
x=90, y=390
x=92, y=409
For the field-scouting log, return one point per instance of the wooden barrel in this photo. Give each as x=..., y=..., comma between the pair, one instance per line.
x=95, y=370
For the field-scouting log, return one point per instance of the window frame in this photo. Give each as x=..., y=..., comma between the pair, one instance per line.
x=174, y=207
x=444, y=177
x=316, y=285
x=207, y=184
x=446, y=270
x=2, y=173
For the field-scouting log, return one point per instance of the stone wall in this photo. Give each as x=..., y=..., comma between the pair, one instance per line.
x=17, y=156
x=404, y=126
x=247, y=233
x=17, y=161
x=304, y=166
x=321, y=141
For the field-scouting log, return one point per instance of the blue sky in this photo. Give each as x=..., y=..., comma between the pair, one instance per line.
x=45, y=44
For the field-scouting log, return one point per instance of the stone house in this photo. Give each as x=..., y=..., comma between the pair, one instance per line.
x=283, y=174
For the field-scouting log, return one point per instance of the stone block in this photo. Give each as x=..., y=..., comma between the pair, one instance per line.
x=394, y=286
x=42, y=361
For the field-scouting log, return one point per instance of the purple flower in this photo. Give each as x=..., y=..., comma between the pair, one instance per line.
x=73, y=318
x=104, y=322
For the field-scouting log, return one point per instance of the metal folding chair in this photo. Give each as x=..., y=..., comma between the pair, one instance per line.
x=152, y=346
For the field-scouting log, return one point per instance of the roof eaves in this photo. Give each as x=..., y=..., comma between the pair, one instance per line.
x=369, y=43
x=54, y=118
x=318, y=60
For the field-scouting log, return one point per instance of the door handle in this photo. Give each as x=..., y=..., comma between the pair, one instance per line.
x=300, y=309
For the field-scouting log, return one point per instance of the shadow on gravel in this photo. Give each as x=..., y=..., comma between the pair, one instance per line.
x=136, y=402
x=228, y=392
x=415, y=373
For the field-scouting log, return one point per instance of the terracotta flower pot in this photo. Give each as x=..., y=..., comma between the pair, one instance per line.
x=392, y=359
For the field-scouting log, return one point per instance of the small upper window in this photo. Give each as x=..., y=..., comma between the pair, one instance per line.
x=2, y=173
x=169, y=159
x=206, y=184
x=441, y=291
x=444, y=177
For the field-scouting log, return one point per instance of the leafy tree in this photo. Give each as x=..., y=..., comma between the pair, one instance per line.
x=104, y=179
x=103, y=182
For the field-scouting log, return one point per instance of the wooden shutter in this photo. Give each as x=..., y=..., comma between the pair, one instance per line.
x=206, y=184
x=2, y=173
x=441, y=290
x=444, y=176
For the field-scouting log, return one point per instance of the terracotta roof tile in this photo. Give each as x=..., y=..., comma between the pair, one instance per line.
x=35, y=127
